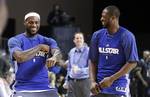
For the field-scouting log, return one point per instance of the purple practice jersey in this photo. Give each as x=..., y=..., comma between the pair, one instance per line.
x=111, y=52
x=32, y=74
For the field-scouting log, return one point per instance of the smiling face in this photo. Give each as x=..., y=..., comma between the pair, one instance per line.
x=110, y=16
x=78, y=39
x=32, y=25
x=105, y=18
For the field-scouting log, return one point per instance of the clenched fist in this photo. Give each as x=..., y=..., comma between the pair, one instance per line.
x=95, y=88
x=44, y=48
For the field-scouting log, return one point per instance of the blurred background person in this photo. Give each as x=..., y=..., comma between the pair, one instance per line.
x=144, y=84
x=143, y=75
x=54, y=16
x=58, y=17
x=3, y=19
x=140, y=78
x=3, y=15
x=6, y=78
x=78, y=83
x=57, y=75
x=52, y=79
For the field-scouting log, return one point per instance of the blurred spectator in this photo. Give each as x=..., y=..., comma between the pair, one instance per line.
x=3, y=18
x=3, y=15
x=140, y=77
x=148, y=76
x=52, y=78
x=146, y=53
x=58, y=17
x=77, y=79
x=59, y=84
x=57, y=75
x=6, y=78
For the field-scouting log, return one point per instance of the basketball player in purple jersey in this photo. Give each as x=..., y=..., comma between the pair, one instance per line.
x=113, y=53
x=29, y=53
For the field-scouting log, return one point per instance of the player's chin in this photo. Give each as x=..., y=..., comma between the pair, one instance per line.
x=34, y=32
x=103, y=24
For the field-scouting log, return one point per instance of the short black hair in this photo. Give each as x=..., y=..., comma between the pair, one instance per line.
x=113, y=10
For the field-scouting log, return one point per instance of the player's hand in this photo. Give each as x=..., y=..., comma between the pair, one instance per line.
x=106, y=82
x=44, y=48
x=50, y=62
x=95, y=89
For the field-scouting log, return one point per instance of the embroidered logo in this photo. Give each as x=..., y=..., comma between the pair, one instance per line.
x=108, y=50
x=40, y=53
x=121, y=89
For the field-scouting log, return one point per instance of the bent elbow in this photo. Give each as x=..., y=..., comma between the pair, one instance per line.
x=19, y=59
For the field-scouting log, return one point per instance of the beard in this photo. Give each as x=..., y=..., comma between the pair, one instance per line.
x=31, y=33
x=106, y=24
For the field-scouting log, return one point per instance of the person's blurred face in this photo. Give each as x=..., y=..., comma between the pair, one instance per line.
x=78, y=39
x=105, y=18
x=146, y=54
x=32, y=25
x=56, y=7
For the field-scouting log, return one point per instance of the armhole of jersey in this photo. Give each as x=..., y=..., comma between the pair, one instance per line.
x=122, y=35
x=15, y=66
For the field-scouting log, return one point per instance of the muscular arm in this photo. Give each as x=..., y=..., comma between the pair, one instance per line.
x=124, y=70
x=92, y=71
x=57, y=57
x=22, y=56
x=108, y=81
x=131, y=54
x=56, y=54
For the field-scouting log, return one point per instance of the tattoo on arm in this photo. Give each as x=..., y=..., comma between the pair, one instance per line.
x=57, y=54
x=22, y=56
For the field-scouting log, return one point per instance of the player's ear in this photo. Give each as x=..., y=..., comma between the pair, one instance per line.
x=113, y=17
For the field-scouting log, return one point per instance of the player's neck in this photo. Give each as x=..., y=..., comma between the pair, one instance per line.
x=29, y=35
x=113, y=28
